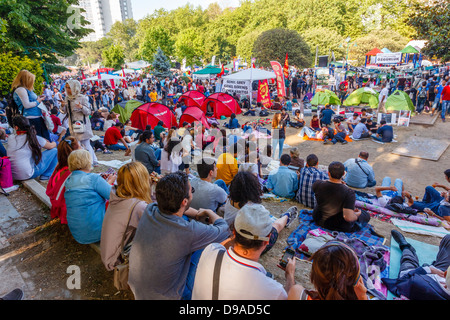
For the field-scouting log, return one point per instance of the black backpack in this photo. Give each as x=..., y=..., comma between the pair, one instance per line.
x=12, y=109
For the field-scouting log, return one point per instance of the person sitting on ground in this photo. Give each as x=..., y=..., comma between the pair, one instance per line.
x=385, y=193
x=371, y=126
x=285, y=118
x=335, y=207
x=112, y=138
x=130, y=130
x=158, y=129
x=341, y=133
x=171, y=160
x=252, y=110
x=308, y=175
x=169, y=240
x=86, y=195
x=364, y=114
x=385, y=133
x=335, y=275
x=145, y=154
x=24, y=150
x=296, y=162
x=58, y=131
x=327, y=133
x=360, y=131
x=55, y=187
x=233, y=123
x=447, y=178
x=353, y=121
x=127, y=202
x=416, y=282
x=111, y=121
x=360, y=173
x=283, y=182
x=209, y=195
x=227, y=165
x=97, y=121
x=245, y=277
x=298, y=121
x=326, y=115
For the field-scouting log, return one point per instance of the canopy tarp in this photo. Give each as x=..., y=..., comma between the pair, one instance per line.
x=386, y=50
x=399, y=100
x=137, y=64
x=221, y=104
x=125, y=108
x=325, y=97
x=209, y=70
x=409, y=49
x=251, y=74
x=127, y=71
x=362, y=96
x=151, y=114
x=374, y=52
x=104, y=76
x=192, y=98
x=194, y=114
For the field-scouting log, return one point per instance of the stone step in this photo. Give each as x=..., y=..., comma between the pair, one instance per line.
x=38, y=190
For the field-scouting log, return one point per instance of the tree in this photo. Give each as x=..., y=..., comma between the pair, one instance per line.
x=432, y=23
x=43, y=30
x=328, y=40
x=155, y=37
x=122, y=33
x=161, y=64
x=91, y=51
x=113, y=57
x=189, y=46
x=244, y=47
x=275, y=43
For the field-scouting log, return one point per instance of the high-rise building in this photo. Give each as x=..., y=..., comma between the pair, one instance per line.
x=102, y=14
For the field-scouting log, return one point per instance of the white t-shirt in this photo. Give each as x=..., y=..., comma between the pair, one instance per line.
x=240, y=278
x=384, y=92
x=22, y=164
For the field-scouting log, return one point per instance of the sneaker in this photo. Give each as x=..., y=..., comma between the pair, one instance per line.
x=106, y=151
x=44, y=178
x=16, y=294
x=344, y=142
x=325, y=141
x=292, y=214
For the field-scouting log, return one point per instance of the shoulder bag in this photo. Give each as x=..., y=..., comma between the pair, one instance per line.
x=216, y=275
x=78, y=126
x=121, y=270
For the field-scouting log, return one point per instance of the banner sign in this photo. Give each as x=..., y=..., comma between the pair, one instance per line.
x=281, y=89
x=389, y=58
x=241, y=87
x=263, y=93
x=286, y=67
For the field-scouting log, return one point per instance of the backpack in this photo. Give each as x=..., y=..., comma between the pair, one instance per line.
x=342, y=86
x=12, y=109
x=6, y=179
x=422, y=93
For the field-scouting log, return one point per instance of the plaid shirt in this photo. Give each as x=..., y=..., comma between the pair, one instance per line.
x=308, y=175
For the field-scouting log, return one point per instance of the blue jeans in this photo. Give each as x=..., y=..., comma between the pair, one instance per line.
x=420, y=105
x=47, y=164
x=222, y=184
x=116, y=147
x=279, y=143
x=387, y=183
x=2, y=150
x=158, y=157
x=445, y=107
x=431, y=200
x=374, y=136
x=195, y=257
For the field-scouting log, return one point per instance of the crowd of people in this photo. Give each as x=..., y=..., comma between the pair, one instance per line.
x=176, y=216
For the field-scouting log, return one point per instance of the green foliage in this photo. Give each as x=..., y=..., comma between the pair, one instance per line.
x=113, y=57
x=275, y=43
x=11, y=64
x=188, y=46
x=161, y=64
x=91, y=51
x=328, y=40
x=41, y=29
x=155, y=37
x=432, y=23
x=244, y=47
x=122, y=34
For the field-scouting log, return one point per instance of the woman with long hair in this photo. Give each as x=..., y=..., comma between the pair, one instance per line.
x=55, y=187
x=335, y=275
x=171, y=160
x=27, y=102
x=28, y=161
x=77, y=110
x=127, y=203
x=278, y=134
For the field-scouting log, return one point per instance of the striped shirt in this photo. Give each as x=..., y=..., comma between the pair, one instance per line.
x=309, y=175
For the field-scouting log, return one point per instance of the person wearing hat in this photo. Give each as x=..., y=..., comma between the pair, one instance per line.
x=241, y=275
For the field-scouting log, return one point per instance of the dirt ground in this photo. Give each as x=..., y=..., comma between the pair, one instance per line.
x=46, y=250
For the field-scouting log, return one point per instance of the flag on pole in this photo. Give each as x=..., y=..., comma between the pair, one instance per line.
x=263, y=93
x=253, y=63
x=82, y=75
x=222, y=72
x=281, y=89
x=113, y=85
x=286, y=67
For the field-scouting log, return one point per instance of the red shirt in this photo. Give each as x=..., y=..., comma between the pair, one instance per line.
x=112, y=136
x=56, y=122
x=445, y=93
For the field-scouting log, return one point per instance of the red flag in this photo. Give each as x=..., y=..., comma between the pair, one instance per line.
x=263, y=93
x=221, y=73
x=286, y=67
x=99, y=77
x=82, y=75
x=281, y=89
x=113, y=85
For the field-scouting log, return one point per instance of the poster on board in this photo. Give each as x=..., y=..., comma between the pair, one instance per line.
x=403, y=118
x=241, y=87
x=389, y=117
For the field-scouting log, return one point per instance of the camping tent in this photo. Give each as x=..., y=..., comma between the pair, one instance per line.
x=362, y=96
x=399, y=100
x=151, y=114
x=192, y=98
x=325, y=97
x=194, y=114
x=251, y=74
x=370, y=54
x=221, y=104
x=125, y=108
x=209, y=70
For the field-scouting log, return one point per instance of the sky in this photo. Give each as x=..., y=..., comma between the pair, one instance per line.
x=143, y=7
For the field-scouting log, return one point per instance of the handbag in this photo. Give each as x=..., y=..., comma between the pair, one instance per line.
x=6, y=179
x=121, y=270
x=78, y=126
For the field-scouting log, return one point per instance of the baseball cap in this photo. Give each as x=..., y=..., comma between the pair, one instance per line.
x=253, y=222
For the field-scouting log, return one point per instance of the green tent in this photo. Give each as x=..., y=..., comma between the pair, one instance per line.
x=362, y=96
x=209, y=70
x=125, y=108
x=409, y=49
x=325, y=97
x=399, y=100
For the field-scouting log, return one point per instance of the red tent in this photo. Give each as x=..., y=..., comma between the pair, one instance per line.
x=151, y=114
x=192, y=98
x=194, y=114
x=374, y=52
x=221, y=104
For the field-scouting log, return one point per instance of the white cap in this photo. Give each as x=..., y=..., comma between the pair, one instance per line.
x=253, y=222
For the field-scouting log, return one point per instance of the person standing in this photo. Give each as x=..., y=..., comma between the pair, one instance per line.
x=382, y=97
x=445, y=100
x=278, y=134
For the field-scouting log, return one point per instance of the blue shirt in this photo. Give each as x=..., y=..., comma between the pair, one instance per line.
x=359, y=129
x=283, y=182
x=86, y=195
x=357, y=177
x=386, y=132
x=326, y=115
x=309, y=175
